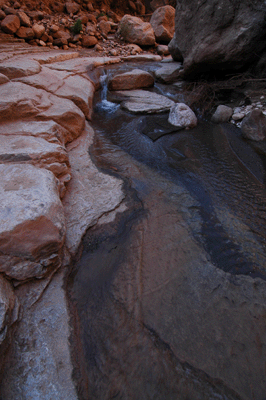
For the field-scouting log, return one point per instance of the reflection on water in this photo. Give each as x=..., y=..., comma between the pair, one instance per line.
x=169, y=300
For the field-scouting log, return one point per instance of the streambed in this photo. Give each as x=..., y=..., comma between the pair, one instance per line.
x=168, y=298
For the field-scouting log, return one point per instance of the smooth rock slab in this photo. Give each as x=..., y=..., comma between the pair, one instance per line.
x=32, y=228
x=182, y=116
x=19, y=101
x=73, y=87
x=135, y=79
x=141, y=101
x=17, y=68
x=90, y=193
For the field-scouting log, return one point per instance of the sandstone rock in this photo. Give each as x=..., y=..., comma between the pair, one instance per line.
x=2, y=15
x=134, y=49
x=253, y=126
x=134, y=30
x=10, y=24
x=55, y=56
x=142, y=57
x=18, y=67
x=143, y=102
x=82, y=65
x=8, y=308
x=105, y=27
x=23, y=101
x=163, y=23
x=25, y=33
x=208, y=35
x=38, y=30
x=169, y=73
x=135, y=79
x=54, y=28
x=32, y=222
x=222, y=114
x=48, y=130
x=89, y=41
x=24, y=19
x=36, y=151
x=3, y=79
x=72, y=7
x=182, y=116
x=90, y=193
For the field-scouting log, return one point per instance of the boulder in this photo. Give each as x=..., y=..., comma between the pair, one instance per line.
x=25, y=33
x=105, y=27
x=222, y=114
x=24, y=19
x=143, y=102
x=20, y=101
x=89, y=41
x=163, y=23
x=135, y=79
x=169, y=73
x=154, y=4
x=32, y=229
x=8, y=308
x=38, y=30
x=17, y=68
x=72, y=7
x=218, y=35
x=134, y=30
x=253, y=126
x=182, y=116
x=10, y=24
x=174, y=50
x=163, y=50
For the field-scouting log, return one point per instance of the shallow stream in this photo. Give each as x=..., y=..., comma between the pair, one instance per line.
x=168, y=298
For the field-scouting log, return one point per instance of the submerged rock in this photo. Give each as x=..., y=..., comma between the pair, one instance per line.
x=254, y=126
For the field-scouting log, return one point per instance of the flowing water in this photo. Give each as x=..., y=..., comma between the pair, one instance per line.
x=168, y=299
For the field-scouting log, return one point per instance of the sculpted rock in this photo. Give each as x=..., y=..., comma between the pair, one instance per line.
x=48, y=130
x=141, y=101
x=76, y=88
x=18, y=101
x=134, y=30
x=163, y=23
x=209, y=37
x=253, y=126
x=38, y=152
x=32, y=226
x=8, y=308
x=90, y=193
x=134, y=79
x=168, y=73
x=10, y=24
x=16, y=68
x=182, y=116
x=222, y=114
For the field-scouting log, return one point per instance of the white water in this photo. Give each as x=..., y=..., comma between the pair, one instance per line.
x=104, y=104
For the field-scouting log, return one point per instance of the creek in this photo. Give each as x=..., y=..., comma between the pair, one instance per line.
x=168, y=297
